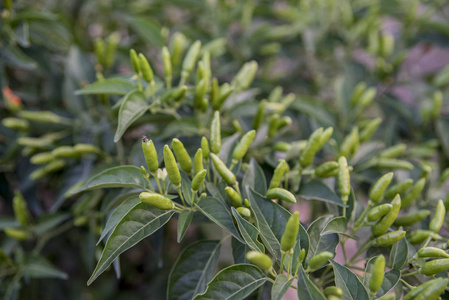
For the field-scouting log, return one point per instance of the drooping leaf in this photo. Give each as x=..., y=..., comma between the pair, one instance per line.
x=307, y=290
x=234, y=283
x=122, y=176
x=110, y=86
x=39, y=267
x=249, y=232
x=399, y=254
x=280, y=287
x=255, y=178
x=316, y=190
x=134, y=106
x=140, y=222
x=185, y=217
x=318, y=242
x=192, y=271
x=218, y=213
x=352, y=287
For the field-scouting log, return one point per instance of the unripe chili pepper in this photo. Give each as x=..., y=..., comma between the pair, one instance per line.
x=288, y=239
x=42, y=158
x=435, y=266
x=145, y=67
x=53, y=166
x=200, y=92
x=134, y=60
x=99, y=49
x=357, y=93
x=392, y=163
x=234, y=197
x=182, y=156
x=344, y=182
x=224, y=172
x=280, y=193
x=65, y=151
x=259, y=259
x=242, y=147
x=437, y=102
x=15, y=123
x=320, y=259
x=260, y=114
x=389, y=238
x=326, y=169
x=198, y=161
x=273, y=125
x=326, y=135
x=214, y=91
x=438, y=219
x=177, y=48
x=283, y=147
x=421, y=235
x=205, y=147
x=42, y=117
x=433, y=291
x=351, y=143
x=86, y=148
x=280, y=170
x=157, y=200
x=17, y=234
x=191, y=57
x=275, y=94
x=179, y=93
x=383, y=224
x=412, y=218
x=377, y=277
x=432, y=252
x=413, y=193
x=386, y=45
x=206, y=63
x=245, y=76
x=237, y=126
x=224, y=92
x=198, y=180
x=313, y=145
x=367, y=97
x=20, y=209
x=333, y=291
x=417, y=290
x=369, y=130
x=166, y=62
x=215, y=133
x=388, y=297
x=172, y=167
x=244, y=212
x=393, y=151
x=379, y=211
x=150, y=154
x=380, y=186
x=302, y=255
x=398, y=188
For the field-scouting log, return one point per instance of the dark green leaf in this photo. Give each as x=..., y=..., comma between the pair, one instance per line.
x=194, y=268
x=280, y=287
x=352, y=287
x=134, y=106
x=442, y=128
x=239, y=251
x=302, y=242
x=50, y=222
x=318, y=242
x=307, y=290
x=186, y=187
x=316, y=190
x=39, y=267
x=149, y=31
x=111, y=86
x=140, y=222
x=255, y=178
x=234, y=283
x=248, y=232
x=183, y=223
x=399, y=254
x=335, y=225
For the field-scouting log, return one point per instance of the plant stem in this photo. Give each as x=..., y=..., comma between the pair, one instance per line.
x=282, y=262
x=181, y=196
x=157, y=182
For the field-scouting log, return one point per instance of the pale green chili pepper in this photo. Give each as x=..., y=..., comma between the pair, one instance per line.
x=134, y=61
x=214, y=91
x=15, y=123
x=434, y=290
x=438, y=219
x=398, y=188
x=383, y=224
x=260, y=114
x=417, y=290
x=320, y=259
x=288, y=239
x=200, y=92
x=145, y=67
x=389, y=238
x=191, y=57
x=413, y=193
x=344, y=181
x=280, y=193
x=435, y=266
x=86, y=148
x=380, y=186
x=198, y=180
x=150, y=154
x=379, y=211
x=182, y=156
x=65, y=151
x=243, y=145
x=244, y=212
x=245, y=76
x=215, y=133
x=172, y=167
x=432, y=252
x=259, y=259
x=224, y=172
x=166, y=62
x=392, y=163
x=224, y=92
x=369, y=129
x=377, y=277
x=412, y=218
x=177, y=48
x=393, y=151
x=42, y=158
x=357, y=93
x=312, y=147
x=17, y=234
x=421, y=235
x=278, y=173
x=333, y=291
x=234, y=197
x=350, y=144
x=157, y=200
x=198, y=161
x=20, y=209
x=205, y=147
x=326, y=135
x=327, y=169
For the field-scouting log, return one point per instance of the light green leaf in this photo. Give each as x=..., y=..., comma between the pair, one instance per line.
x=249, y=232
x=134, y=106
x=307, y=290
x=218, y=213
x=280, y=287
x=111, y=86
x=39, y=267
x=192, y=271
x=185, y=217
x=352, y=287
x=399, y=254
x=234, y=283
x=316, y=190
x=140, y=222
x=122, y=176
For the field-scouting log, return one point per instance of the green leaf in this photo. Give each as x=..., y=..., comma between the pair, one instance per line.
x=352, y=287
x=280, y=287
x=192, y=271
x=336, y=225
x=122, y=176
x=149, y=31
x=140, y=222
x=239, y=251
x=270, y=219
x=442, y=127
x=390, y=279
x=186, y=188
x=312, y=109
x=183, y=223
x=218, y=213
x=39, y=267
x=49, y=222
x=302, y=242
x=118, y=214
x=316, y=190
x=249, y=232
x=111, y=86
x=399, y=254
x=307, y=290
x=134, y=106
x=255, y=178
x=318, y=242
x=234, y=283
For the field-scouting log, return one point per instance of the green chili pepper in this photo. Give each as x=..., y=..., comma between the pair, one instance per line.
x=198, y=161
x=200, y=92
x=380, y=186
x=357, y=93
x=244, y=212
x=421, y=235
x=172, y=167
x=351, y=143
x=417, y=290
x=283, y=147
x=280, y=170
x=224, y=172
x=182, y=156
x=319, y=260
x=276, y=94
x=280, y=193
x=438, y=219
x=42, y=158
x=333, y=291
x=435, y=266
x=383, y=224
x=386, y=45
x=432, y=252
x=191, y=57
x=214, y=91
x=412, y=218
x=433, y=291
x=259, y=259
x=245, y=76
x=242, y=147
x=237, y=126
x=234, y=197
x=367, y=97
x=20, y=209
x=392, y=163
x=134, y=61
x=201, y=73
x=379, y=211
x=369, y=130
x=273, y=125
x=326, y=135
x=389, y=238
x=99, y=49
x=326, y=169
x=205, y=147
x=166, y=62
x=198, y=180
x=437, y=102
x=150, y=154
x=393, y=151
x=413, y=193
x=145, y=67
x=260, y=114
x=224, y=92
x=65, y=151
x=344, y=182
x=177, y=48
x=15, y=123
x=215, y=133
x=288, y=239
x=312, y=147
x=42, y=117
x=53, y=166
x=157, y=200
x=17, y=234
x=398, y=188
x=86, y=148
x=377, y=277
